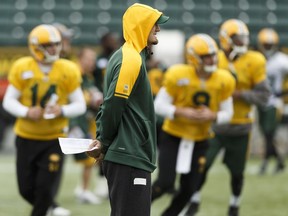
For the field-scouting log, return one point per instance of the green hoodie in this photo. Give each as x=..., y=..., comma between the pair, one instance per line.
x=126, y=120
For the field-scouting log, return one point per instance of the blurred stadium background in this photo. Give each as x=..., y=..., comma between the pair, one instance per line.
x=90, y=19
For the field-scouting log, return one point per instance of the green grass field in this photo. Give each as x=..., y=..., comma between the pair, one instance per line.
x=263, y=195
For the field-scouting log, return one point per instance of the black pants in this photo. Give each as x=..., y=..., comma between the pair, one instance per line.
x=39, y=166
x=129, y=190
x=168, y=150
x=235, y=158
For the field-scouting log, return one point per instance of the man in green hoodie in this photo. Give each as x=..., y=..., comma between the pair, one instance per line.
x=126, y=129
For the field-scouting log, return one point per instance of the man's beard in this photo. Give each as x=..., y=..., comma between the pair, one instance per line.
x=155, y=42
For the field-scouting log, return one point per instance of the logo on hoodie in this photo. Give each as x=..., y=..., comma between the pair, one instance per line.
x=126, y=88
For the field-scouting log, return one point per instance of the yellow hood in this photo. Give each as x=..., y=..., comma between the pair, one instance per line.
x=138, y=21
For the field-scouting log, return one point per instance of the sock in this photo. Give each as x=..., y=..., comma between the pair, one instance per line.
x=234, y=201
x=196, y=197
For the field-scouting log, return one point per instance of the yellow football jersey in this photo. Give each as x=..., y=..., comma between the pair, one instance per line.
x=36, y=89
x=249, y=70
x=188, y=90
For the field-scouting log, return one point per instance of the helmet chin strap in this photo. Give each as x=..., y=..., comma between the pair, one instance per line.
x=50, y=58
x=237, y=50
x=210, y=68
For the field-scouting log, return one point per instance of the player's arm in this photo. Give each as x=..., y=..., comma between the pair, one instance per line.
x=224, y=115
x=258, y=95
x=12, y=105
x=164, y=106
x=226, y=111
x=77, y=105
x=11, y=102
x=261, y=90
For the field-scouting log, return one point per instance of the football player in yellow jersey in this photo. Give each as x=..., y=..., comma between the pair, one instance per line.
x=248, y=68
x=193, y=96
x=44, y=91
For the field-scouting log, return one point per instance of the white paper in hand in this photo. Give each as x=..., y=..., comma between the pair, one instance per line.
x=74, y=145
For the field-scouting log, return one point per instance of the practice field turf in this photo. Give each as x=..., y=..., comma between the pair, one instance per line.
x=263, y=195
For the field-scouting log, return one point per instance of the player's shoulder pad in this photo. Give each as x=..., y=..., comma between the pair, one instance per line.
x=66, y=62
x=255, y=56
x=23, y=60
x=179, y=69
x=225, y=76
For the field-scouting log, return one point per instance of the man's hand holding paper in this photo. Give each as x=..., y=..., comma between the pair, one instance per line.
x=94, y=151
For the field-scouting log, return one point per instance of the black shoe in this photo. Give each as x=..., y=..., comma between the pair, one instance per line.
x=279, y=168
x=192, y=209
x=233, y=211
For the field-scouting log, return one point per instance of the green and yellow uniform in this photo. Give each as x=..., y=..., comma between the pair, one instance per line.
x=188, y=90
x=36, y=88
x=249, y=71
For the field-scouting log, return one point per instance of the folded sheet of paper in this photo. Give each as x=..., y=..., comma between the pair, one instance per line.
x=74, y=146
